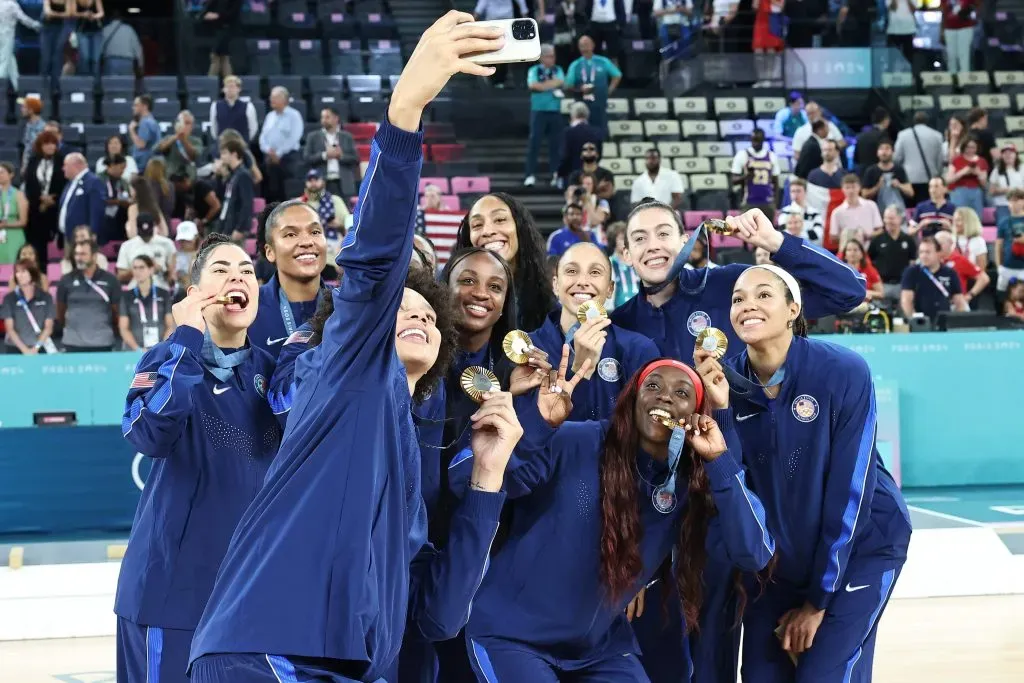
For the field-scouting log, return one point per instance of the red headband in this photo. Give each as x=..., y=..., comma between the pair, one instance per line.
x=698, y=384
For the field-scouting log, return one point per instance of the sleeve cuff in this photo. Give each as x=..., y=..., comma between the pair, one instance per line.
x=482, y=505
x=398, y=143
x=724, y=419
x=820, y=600
x=536, y=431
x=790, y=248
x=721, y=470
x=190, y=338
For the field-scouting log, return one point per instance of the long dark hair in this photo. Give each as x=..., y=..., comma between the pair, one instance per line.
x=507, y=321
x=621, y=532
x=532, y=277
x=145, y=199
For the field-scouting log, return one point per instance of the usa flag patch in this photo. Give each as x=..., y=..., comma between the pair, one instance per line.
x=144, y=380
x=299, y=337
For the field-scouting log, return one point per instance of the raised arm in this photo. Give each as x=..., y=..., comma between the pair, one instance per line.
x=282, y=384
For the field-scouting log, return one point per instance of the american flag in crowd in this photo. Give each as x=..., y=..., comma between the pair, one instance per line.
x=441, y=227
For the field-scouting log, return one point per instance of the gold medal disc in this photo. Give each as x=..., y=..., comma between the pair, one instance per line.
x=667, y=421
x=718, y=226
x=516, y=345
x=589, y=310
x=476, y=381
x=714, y=341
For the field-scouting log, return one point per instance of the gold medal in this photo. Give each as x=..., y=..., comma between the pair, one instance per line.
x=718, y=226
x=476, y=381
x=664, y=418
x=232, y=298
x=589, y=310
x=516, y=345
x=714, y=341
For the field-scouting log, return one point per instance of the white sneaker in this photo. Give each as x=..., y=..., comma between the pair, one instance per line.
x=556, y=182
x=530, y=180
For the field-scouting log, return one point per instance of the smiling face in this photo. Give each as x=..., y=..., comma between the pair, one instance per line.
x=584, y=273
x=478, y=284
x=653, y=240
x=297, y=244
x=668, y=390
x=853, y=254
x=417, y=339
x=492, y=227
x=229, y=270
x=759, y=308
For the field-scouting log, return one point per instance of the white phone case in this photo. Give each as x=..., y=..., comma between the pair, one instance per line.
x=514, y=50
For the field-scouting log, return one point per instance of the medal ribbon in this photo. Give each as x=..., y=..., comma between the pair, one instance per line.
x=675, y=452
x=679, y=264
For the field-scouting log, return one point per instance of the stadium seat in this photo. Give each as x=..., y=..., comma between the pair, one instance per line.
x=1014, y=125
x=633, y=150
x=693, y=219
x=439, y=131
x=450, y=202
x=6, y=272
x=251, y=246
x=624, y=182
x=367, y=106
x=362, y=132
x=29, y=84
x=199, y=105
x=370, y=84
x=700, y=130
x=690, y=107
x=937, y=82
x=715, y=149
x=609, y=150
x=626, y=130
x=364, y=153
x=950, y=105
x=256, y=13
x=70, y=85
x=166, y=110
x=264, y=56
x=258, y=204
x=447, y=153
x=618, y=108
x=666, y=129
x=302, y=107
x=676, y=148
x=732, y=107
x=736, y=129
x=618, y=166
x=305, y=57
x=768, y=106
x=721, y=165
x=990, y=233
x=53, y=273
x=440, y=181
x=766, y=126
x=333, y=85
x=209, y=86
x=914, y=103
x=116, y=110
x=467, y=184
x=1009, y=82
x=53, y=252
x=77, y=112
x=900, y=80
x=710, y=191
x=692, y=165
x=988, y=215
x=974, y=82
x=377, y=26
x=119, y=86
x=650, y=108
x=295, y=17
x=333, y=101
x=161, y=86
x=385, y=58
x=101, y=132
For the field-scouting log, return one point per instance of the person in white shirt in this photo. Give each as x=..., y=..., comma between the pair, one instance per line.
x=672, y=16
x=662, y=184
x=157, y=247
x=1006, y=175
x=279, y=140
x=802, y=133
x=902, y=27
x=813, y=223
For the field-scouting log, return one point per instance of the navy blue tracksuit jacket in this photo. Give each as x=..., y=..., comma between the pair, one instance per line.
x=340, y=521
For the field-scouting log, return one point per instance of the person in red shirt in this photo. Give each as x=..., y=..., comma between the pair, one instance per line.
x=963, y=266
x=959, y=18
x=854, y=255
x=967, y=176
x=1014, y=304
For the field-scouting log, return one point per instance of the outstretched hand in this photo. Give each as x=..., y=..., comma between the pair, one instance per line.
x=496, y=431
x=755, y=228
x=554, y=399
x=530, y=375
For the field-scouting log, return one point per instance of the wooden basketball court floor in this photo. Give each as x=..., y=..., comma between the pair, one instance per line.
x=972, y=638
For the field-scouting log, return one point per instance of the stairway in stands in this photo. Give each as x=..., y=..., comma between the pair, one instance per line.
x=413, y=17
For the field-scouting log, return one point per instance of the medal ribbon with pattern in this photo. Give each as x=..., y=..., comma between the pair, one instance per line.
x=664, y=496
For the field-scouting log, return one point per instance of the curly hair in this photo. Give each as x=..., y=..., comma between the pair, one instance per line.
x=439, y=298
x=535, y=297
x=621, y=532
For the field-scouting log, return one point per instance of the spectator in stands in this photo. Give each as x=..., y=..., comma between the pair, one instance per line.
x=432, y=200
x=13, y=215
x=28, y=252
x=959, y=19
x=84, y=201
x=809, y=157
x=977, y=126
x=82, y=233
x=119, y=198
x=57, y=26
x=279, y=141
x=570, y=21
x=44, y=184
x=581, y=145
x=606, y=20
x=891, y=252
x=956, y=133
x=147, y=243
x=122, y=51
x=494, y=10
x=31, y=110
x=330, y=207
x=928, y=287
x=545, y=81
x=720, y=16
x=145, y=309
x=224, y=16
x=571, y=232
x=673, y=19
x=28, y=312
x=885, y=182
x=181, y=150
x=805, y=131
x=144, y=202
x=902, y=27
x=865, y=151
x=595, y=209
x=967, y=231
x=853, y=24
x=934, y=214
x=163, y=191
x=768, y=40
x=762, y=256
x=756, y=170
x=143, y=130
x=661, y=183
x=812, y=218
x=973, y=280
x=790, y=118
x=236, y=211
x=1013, y=307
x=627, y=284
x=233, y=113
x=217, y=168
x=1006, y=175
x=856, y=218
x=853, y=254
x=10, y=16
x=595, y=77
x=1009, y=251
x=187, y=241
x=115, y=148
x=199, y=202
x=90, y=36
x=919, y=151
x=87, y=303
x=830, y=174
x=332, y=151
x=700, y=257
x=795, y=226
x=967, y=176
x=618, y=202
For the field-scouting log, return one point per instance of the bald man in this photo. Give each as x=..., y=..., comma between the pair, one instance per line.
x=83, y=202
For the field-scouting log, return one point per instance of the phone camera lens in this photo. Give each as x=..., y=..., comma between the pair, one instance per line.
x=523, y=29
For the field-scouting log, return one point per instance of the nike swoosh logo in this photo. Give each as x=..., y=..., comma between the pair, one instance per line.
x=852, y=589
x=741, y=418
x=217, y=391
x=271, y=342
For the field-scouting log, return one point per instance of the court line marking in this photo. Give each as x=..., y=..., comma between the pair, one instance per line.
x=948, y=517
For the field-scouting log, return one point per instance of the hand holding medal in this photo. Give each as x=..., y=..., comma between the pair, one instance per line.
x=496, y=431
x=589, y=340
x=532, y=364
x=753, y=227
x=189, y=311
x=704, y=437
x=554, y=400
x=709, y=348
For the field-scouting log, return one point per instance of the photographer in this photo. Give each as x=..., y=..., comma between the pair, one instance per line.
x=143, y=130
x=595, y=209
x=182, y=149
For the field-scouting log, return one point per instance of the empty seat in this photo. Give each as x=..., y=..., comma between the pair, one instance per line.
x=618, y=108
x=439, y=131
x=692, y=165
x=913, y=103
x=166, y=110
x=115, y=109
x=440, y=181
x=1014, y=124
x=701, y=130
x=768, y=106
x=161, y=86
x=710, y=190
x=335, y=101
x=345, y=58
x=364, y=84
x=693, y=219
x=377, y=26
x=690, y=107
x=994, y=102
x=364, y=132
x=121, y=86
x=650, y=107
x=626, y=129
x=632, y=150
x=385, y=62
x=28, y=84
x=951, y=104
x=335, y=23
x=326, y=84
x=937, y=82
x=465, y=184
x=610, y=150
x=256, y=13
x=664, y=129
x=732, y=107
x=732, y=129
x=77, y=84
x=675, y=148
x=367, y=106
x=77, y=112
x=973, y=82
x=209, y=86
x=101, y=132
x=264, y=56
x=305, y=57
x=624, y=182
x=617, y=166
x=766, y=126
x=898, y=80
x=296, y=17
x=1009, y=82
x=446, y=153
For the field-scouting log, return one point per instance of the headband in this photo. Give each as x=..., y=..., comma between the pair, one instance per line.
x=698, y=384
x=789, y=280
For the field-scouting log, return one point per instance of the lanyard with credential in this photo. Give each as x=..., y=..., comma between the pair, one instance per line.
x=286, y=310
x=23, y=302
x=938, y=285
x=142, y=309
x=96, y=288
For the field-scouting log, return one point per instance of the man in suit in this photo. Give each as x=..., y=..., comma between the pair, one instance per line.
x=581, y=144
x=83, y=202
x=236, y=209
x=332, y=151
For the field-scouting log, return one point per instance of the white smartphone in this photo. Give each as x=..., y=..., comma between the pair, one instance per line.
x=522, y=43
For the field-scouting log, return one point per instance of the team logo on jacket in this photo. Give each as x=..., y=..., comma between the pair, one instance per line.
x=697, y=321
x=260, y=382
x=805, y=408
x=609, y=370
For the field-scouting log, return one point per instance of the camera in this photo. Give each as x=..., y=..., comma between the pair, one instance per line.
x=523, y=29
x=577, y=192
